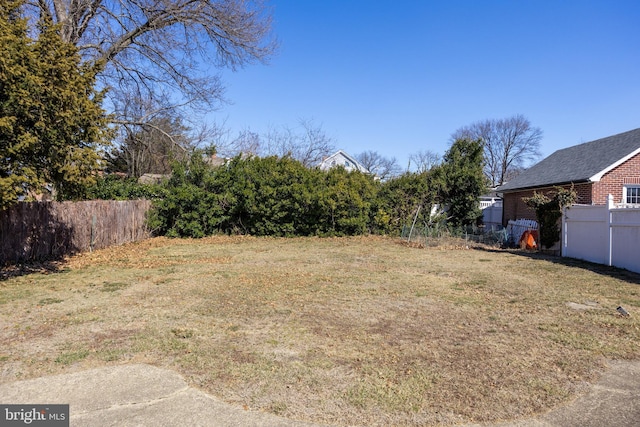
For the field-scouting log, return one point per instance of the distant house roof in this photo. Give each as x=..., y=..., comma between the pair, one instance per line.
x=341, y=158
x=586, y=162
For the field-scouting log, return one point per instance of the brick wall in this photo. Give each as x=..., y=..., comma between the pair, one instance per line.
x=515, y=208
x=613, y=181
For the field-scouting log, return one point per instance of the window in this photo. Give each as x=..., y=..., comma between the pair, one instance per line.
x=632, y=195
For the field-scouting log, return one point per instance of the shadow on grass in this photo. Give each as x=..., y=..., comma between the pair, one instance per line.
x=36, y=267
x=605, y=270
x=34, y=238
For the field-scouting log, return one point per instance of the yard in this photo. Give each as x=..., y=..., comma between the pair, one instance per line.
x=357, y=331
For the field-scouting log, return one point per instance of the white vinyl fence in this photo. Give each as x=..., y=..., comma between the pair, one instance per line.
x=603, y=234
x=491, y=212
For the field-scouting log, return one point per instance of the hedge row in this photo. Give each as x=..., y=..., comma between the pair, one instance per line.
x=281, y=197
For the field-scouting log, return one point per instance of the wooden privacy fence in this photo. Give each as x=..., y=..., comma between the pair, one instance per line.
x=48, y=230
x=603, y=234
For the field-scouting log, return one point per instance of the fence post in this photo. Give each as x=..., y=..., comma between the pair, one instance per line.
x=563, y=246
x=610, y=206
x=414, y=222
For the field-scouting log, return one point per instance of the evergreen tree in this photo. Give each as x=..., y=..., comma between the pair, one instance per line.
x=51, y=121
x=462, y=181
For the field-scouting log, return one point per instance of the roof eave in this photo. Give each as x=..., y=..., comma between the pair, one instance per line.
x=350, y=158
x=353, y=160
x=538, y=187
x=597, y=177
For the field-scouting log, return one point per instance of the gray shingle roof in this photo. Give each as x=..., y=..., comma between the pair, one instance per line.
x=578, y=163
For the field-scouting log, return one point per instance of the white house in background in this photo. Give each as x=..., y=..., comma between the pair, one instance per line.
x=341, y=158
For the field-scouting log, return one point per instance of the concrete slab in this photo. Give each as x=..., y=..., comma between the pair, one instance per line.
x=613, y=401
x=186, y=408
x=97, y=388
x=143, y=395
x=134, y=395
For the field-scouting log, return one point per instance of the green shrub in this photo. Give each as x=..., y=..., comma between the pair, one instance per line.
x=191, y=206
x=263, y=196
x=346, y=203
x=113, y=187
x=268, y=196
x=399, y=200
x=276, y=196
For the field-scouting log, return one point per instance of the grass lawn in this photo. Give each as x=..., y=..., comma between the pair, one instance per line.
x=359, y=331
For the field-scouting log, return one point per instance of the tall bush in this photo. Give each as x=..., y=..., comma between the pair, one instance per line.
x=191, y=206
x=279, y=196
x=400, y=199
x=346, y=202
x=549, y=211
x=263, y=196
x=267, y=196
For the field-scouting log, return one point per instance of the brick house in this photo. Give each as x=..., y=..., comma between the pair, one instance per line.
x=596, y=169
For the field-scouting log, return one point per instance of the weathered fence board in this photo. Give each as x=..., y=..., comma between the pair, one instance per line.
x=48, y=230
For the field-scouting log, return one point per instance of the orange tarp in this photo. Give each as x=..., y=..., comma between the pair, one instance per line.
x=528, y=239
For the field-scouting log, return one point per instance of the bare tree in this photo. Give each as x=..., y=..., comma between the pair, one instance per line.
x=423, y=161
x=154, y=48
x=315, y=144
x=280, y=141
x=150, y=147
x=308, y=144
x=158, y=136
x=246, y=143
x=509, y=145
x=382, y=167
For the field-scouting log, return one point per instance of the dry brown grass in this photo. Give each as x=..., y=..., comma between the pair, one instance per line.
x=358, y=331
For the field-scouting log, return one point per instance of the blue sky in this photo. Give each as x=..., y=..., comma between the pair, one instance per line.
x=398, y=77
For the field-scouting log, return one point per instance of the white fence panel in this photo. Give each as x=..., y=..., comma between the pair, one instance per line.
x=603, y=234
x=586, y=233
x=492, y=215
x=625, y=238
